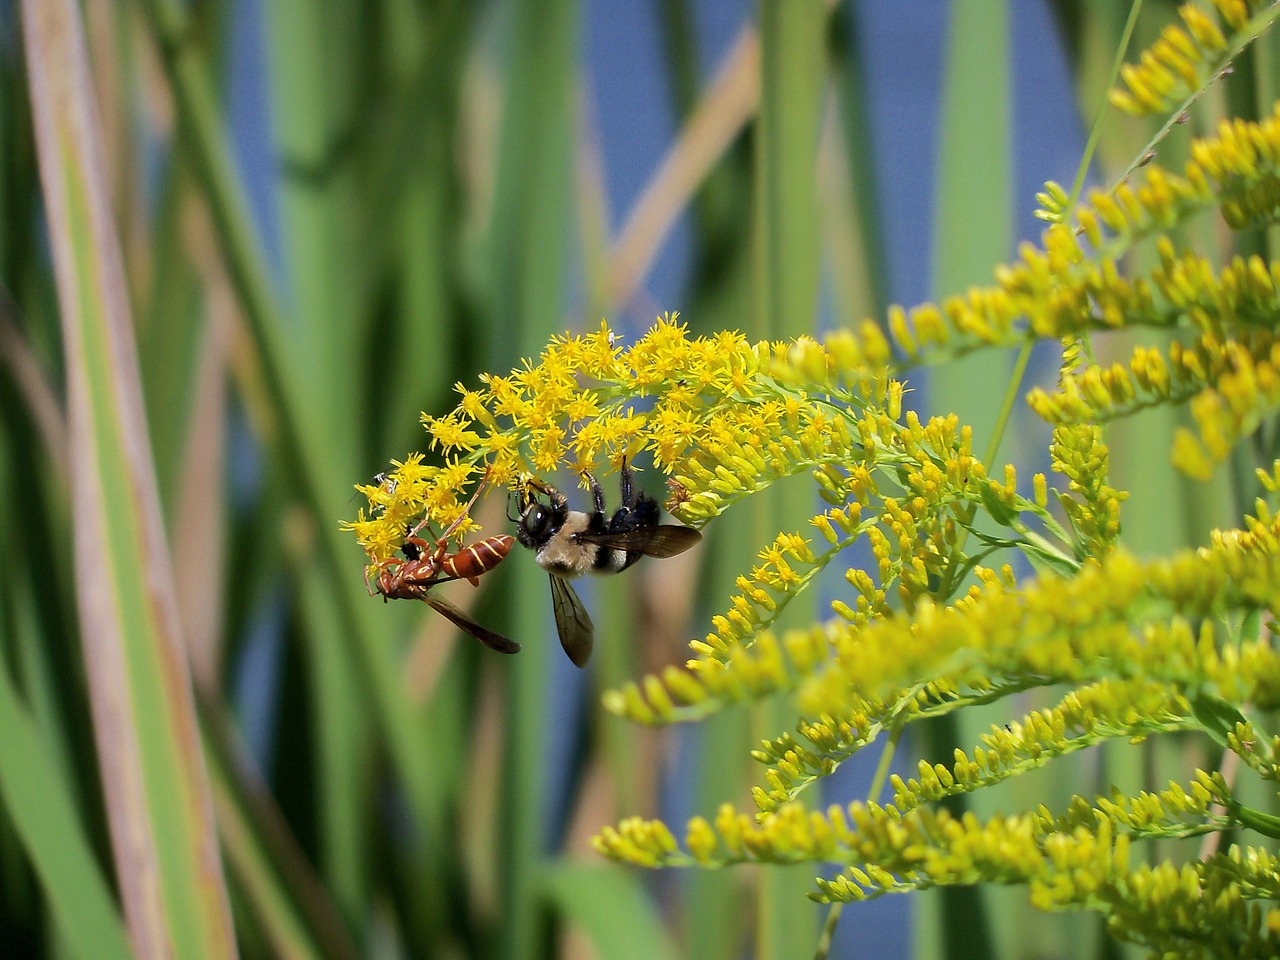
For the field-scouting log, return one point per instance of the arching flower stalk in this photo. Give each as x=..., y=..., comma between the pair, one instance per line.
x=938, y=621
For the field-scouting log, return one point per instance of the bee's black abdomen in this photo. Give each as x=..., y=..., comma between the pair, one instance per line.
x=647, y=512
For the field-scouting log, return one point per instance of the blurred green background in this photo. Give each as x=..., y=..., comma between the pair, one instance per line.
x=321, y=215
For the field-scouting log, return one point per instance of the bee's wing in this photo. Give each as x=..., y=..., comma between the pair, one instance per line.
x=494, y=641
x=577, y=632
x=662, y=541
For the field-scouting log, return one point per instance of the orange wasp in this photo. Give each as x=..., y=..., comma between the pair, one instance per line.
x=426, y=564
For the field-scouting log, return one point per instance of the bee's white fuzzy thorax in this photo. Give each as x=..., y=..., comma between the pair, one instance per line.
x=563, y=554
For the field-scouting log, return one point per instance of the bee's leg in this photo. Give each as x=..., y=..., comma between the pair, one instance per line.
x=558, y=500
x=628, y=487
x=624, y=518
x=597, y=492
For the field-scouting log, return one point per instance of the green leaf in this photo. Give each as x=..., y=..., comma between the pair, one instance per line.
x=999, y=511
x=1265, y=823
x=1044, y=559
x=1216, y=715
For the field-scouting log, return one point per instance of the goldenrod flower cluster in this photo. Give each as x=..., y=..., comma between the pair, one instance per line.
x=400, y=498
x=1214, y=908
x=1111, y=708
x=910, y=491
x=726, y=417
x=707, y=408
x=936, y=622
x=1115, y=618
x=1227, y=364
x=1091, y=504
x=1186, y=59
x=1229, y=370
x=902, y=848
x=1146, y=647
x=1118, y=615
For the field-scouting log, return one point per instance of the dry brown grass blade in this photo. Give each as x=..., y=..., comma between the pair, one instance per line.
x=157, y=795
x=730, y=101
x=199, y=524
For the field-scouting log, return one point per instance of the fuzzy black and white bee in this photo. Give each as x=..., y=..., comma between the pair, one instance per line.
x=569, y=543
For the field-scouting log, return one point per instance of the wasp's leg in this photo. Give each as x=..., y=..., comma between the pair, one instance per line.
x=466, y=512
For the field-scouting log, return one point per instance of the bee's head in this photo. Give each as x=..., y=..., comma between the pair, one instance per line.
x=538, y=522
x=521, y=497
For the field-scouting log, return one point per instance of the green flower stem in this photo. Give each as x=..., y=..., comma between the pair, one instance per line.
x=1095, y=130
x=1260, y=23
x=873, y=794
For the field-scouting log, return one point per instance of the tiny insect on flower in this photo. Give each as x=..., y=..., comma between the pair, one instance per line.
x=426, y=565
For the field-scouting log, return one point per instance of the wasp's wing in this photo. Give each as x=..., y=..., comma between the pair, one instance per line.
x=666, y=540
x=577, y=632
x=494, y=641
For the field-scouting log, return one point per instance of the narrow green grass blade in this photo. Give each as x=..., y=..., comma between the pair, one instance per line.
x=292, y=909
x=170, y=327
x=40, y=805
x=320, y=482
x=425, y=197
x=851, y=210
x=426, y=352
x=715, y=901
x=152, y=767
x=524, y=809
x=793, y=81
x=525, y=255
x=314, y=96
x=316, y=111
x=611, y=906
x=973, y=230
x=35, y=633
x=343, y=765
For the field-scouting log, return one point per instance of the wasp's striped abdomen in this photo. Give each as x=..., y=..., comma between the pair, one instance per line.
x=477, y=558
